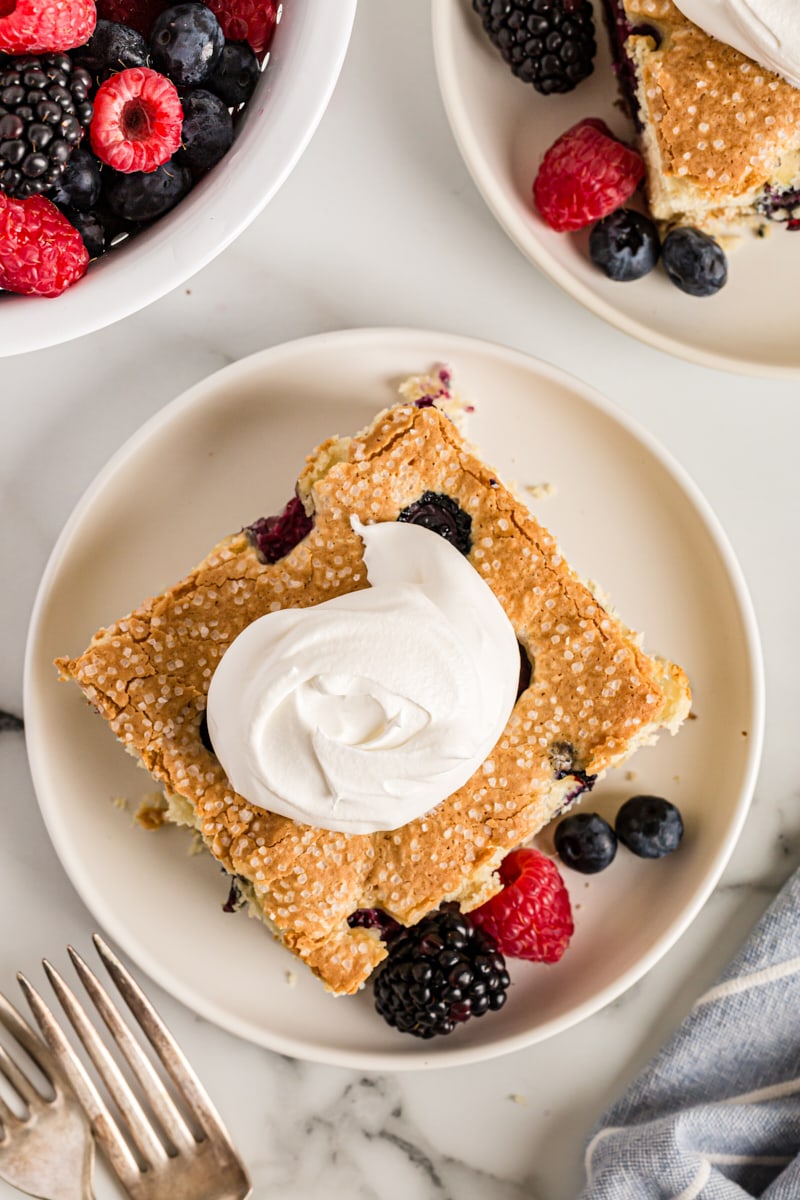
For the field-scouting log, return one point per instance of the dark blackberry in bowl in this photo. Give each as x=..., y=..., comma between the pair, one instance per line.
x=438, y=974
x=444, y=516
x=44, y=111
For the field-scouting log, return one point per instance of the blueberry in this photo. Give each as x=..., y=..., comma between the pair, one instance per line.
x=112, y=47
x=374, y=918
x=186, y=42
x=91, y=229
x=207, y=131
x=235, y=75
x=142, y=196
x=585, y=842
x=79, y=184
x=649, y=826
x=624, y=245
x=444, y=516
x=694, y=261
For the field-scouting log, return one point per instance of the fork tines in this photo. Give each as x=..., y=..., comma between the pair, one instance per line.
x=178, y=1141
x=22, y=1033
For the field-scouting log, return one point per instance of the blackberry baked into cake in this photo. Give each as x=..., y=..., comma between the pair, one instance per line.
x=719, y=133
x=580, y=693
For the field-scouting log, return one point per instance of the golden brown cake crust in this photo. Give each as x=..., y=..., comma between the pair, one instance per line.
x=593, y=693
x=718, y=126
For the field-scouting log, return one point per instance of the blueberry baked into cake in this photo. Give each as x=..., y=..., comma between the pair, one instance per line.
x=720, y=134
x=557, y=689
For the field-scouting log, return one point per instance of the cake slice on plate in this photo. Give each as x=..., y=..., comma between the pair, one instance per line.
x=587, y=695
x=720, y=134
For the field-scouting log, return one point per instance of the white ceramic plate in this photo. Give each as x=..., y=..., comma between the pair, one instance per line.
x=503, y=127
x=229, y=450
x=291, y=96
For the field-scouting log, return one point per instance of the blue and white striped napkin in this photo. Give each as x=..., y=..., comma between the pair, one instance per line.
x=716, y=1115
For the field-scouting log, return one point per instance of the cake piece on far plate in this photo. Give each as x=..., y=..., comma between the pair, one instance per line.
x=581, y=693
x=720, y=134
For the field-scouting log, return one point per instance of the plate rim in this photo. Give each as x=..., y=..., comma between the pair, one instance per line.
x=444, y=13
x=407, y=1057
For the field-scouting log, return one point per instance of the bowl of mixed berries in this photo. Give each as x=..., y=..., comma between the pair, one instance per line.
x=138, y=138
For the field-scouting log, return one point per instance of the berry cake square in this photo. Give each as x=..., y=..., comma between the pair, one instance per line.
x=582, y=697
x=720, y=134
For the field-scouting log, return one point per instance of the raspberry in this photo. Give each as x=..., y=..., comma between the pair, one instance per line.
x=40, y=252
x=531, y=917
x=250, y=21
x=34, y=26
x=137, y=120
x=585, y=175
x=136, y=14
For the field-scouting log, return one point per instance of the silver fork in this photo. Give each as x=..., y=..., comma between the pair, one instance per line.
x=48, y=1151
x=160, y=1156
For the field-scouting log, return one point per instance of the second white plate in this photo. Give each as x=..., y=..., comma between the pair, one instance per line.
x=503, y=127
x=228, y=451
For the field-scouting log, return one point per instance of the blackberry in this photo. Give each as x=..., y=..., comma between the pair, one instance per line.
x=444, y=516
x=585, y=842
x=275, y=536
x=649, y=826
x=44, y=109
x=438, y=974
x=548, y=43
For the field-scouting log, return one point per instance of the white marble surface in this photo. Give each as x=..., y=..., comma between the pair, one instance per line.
x=380, y=224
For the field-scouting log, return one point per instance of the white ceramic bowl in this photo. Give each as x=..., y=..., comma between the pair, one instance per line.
x=291, y=96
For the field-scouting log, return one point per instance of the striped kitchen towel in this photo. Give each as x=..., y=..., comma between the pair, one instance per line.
x=716, y=1115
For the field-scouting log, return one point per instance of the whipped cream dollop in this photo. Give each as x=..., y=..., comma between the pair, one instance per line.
x=767, y=31
x=363, y=712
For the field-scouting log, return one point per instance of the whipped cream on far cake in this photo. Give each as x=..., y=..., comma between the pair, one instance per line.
x=364, y=712
x=768, y=31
